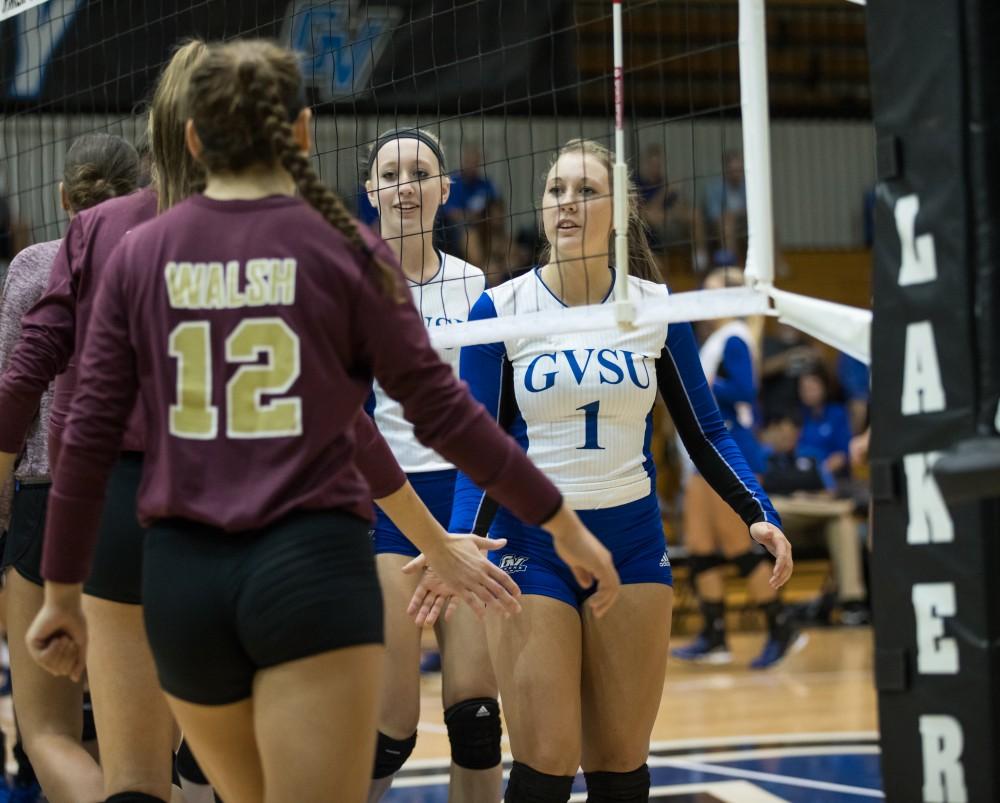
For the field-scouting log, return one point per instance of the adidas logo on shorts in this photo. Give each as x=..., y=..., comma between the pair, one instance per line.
x=512, y=564
x=482, y=712
x=665, y=560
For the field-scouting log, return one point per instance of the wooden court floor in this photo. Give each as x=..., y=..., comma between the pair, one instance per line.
x=826, y=687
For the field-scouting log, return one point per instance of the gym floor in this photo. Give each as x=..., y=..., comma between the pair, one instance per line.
x=803, y=732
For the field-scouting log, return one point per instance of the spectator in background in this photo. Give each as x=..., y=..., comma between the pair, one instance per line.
x=825, y=428
x=669, y=217
x=855, y=380
x=787, y=354
x=723, y=225
x=469, y=206
x=713, y=534
x=804, y=492
x=512, y=255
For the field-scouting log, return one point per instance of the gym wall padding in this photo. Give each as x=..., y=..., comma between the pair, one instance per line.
x=936, y=568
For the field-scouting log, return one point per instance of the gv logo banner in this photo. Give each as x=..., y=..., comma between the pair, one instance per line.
x=46, y=24
x=340, y=43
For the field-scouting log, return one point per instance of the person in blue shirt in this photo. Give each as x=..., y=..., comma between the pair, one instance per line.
x=826, y=428
x=468, y=205
x=789, y=466
x=855, y=380
x=576, y=687
x=796, y=475
x=724, y=209
x=713, y=534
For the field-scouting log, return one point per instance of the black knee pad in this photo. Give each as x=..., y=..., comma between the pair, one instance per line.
x=134, y=797
x=391, y=754
x=187, y=765
x=749, y=561
x=618, y=787
x=474, y=732
x=530, y=786
x=697, y=564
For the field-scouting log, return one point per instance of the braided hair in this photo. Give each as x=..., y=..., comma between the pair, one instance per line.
x=243, y=99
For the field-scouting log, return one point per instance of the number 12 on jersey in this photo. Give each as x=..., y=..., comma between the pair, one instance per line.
x=590, y=412
x=248, y=415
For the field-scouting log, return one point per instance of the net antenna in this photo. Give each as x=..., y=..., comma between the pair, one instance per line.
x=624, y=308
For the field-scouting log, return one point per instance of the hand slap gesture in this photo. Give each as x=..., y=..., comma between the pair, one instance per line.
x=459, y=568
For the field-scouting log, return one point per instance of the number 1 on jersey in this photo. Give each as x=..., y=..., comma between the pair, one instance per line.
x=590, y=412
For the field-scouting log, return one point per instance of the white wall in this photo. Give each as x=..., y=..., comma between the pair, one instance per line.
x=821, y=168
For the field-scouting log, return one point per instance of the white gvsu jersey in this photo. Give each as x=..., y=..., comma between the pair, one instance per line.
x=446, y=298
x=583, y=400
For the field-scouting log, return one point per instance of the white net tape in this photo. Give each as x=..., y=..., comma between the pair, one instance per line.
x=698, y=305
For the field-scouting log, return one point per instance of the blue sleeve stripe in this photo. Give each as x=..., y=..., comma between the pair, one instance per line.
x=482, y=519
x=482, y=367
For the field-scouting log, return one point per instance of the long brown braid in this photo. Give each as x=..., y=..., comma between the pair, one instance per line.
x=243, y=100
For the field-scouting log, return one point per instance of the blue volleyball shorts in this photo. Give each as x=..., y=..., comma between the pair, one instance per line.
x=436, y=489
x=633, y=532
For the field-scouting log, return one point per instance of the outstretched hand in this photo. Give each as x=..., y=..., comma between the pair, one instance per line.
x=460, y=570
x=775, y=542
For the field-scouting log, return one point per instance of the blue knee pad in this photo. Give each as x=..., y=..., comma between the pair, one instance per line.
x=618, y=787
x=391, y=754
x=474, y=732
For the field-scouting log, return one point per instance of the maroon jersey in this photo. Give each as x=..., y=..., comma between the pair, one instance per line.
x=58, y=322
x=250, y=332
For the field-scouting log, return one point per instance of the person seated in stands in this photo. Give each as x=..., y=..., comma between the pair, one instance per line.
x=669, y=216
x=825, y=426
x=804, y=491
x=787, y=354
x=855, y=380
x=723, y=219
x=469, y=204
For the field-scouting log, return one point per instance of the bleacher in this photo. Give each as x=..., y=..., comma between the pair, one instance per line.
x=681, y=57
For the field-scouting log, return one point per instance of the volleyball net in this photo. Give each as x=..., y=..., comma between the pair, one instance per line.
x=676, y=90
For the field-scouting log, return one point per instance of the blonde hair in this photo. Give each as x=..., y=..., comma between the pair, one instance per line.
x=641, y=260
x=175, y=173
x=243, y=98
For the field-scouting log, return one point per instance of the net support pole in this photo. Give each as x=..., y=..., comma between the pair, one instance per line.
x=756, y=144
x=624, y=307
